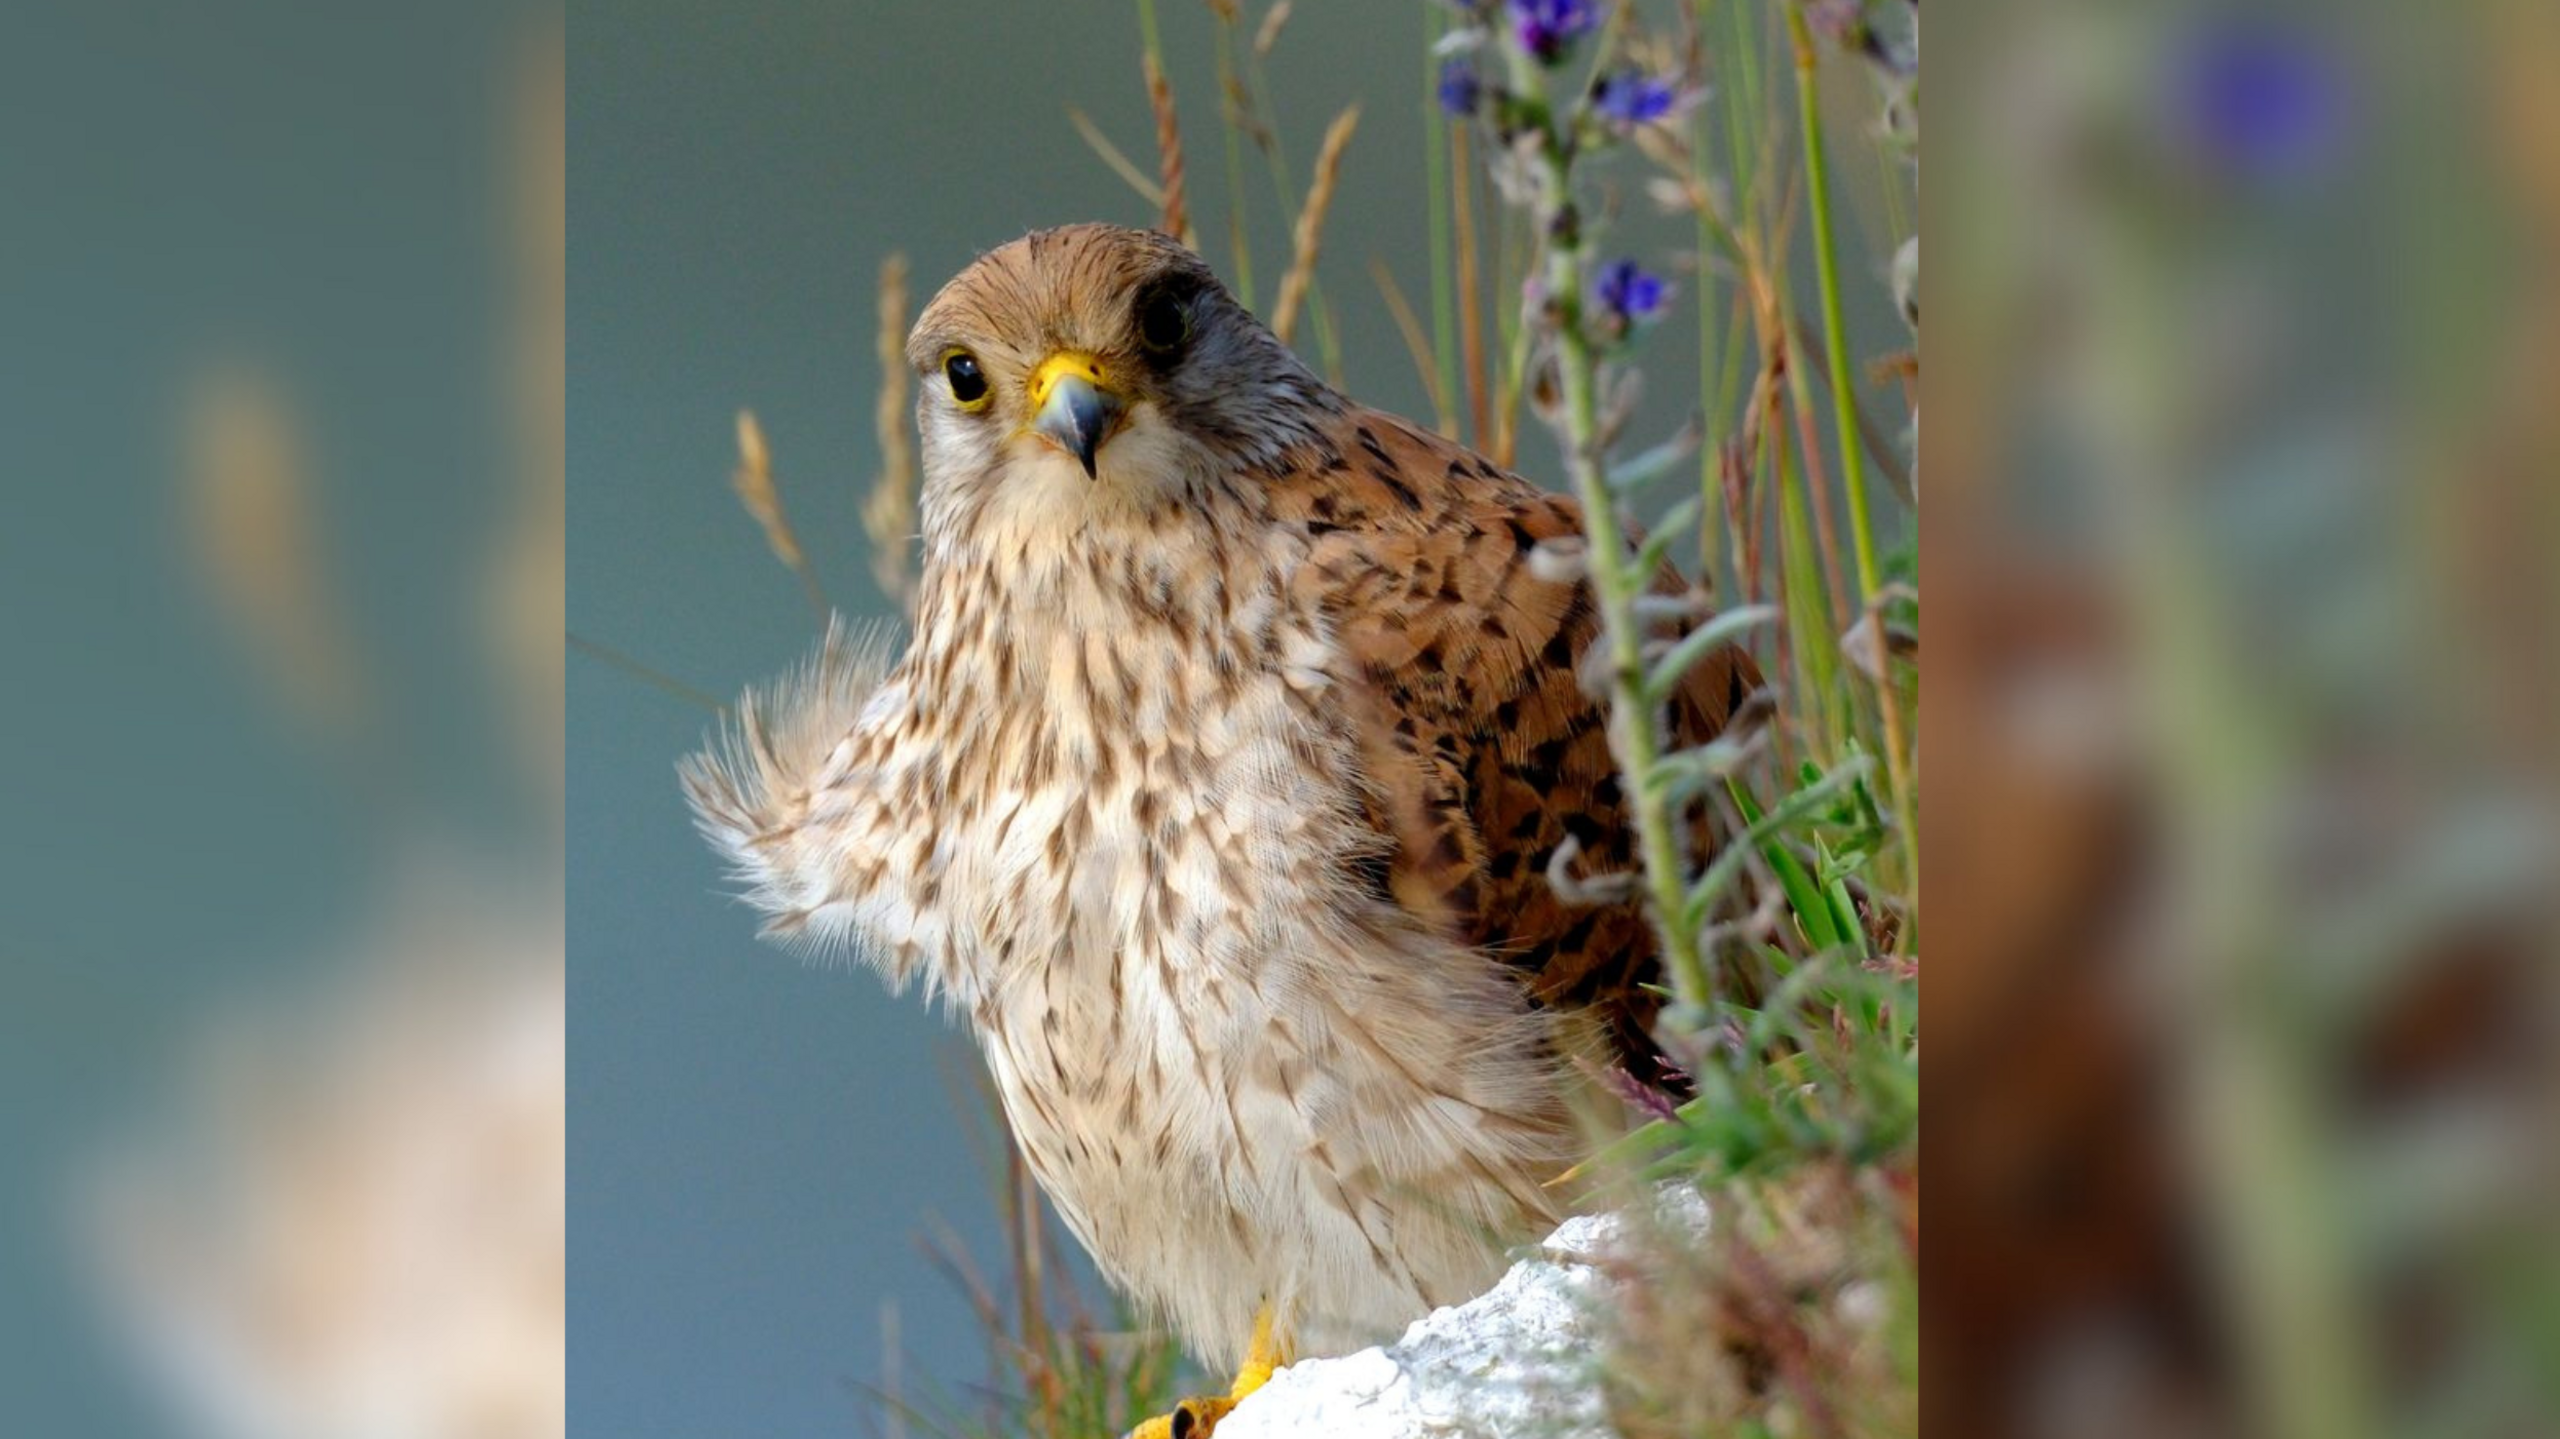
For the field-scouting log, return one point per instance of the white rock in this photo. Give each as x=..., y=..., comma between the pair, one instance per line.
x=1517, y=1360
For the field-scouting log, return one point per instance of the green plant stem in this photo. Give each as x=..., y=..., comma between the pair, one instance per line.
x=1844, y=413
x=1711, y=497
x=1817, y=484
x=1811, y=636
x=1147, y=34
x=1743, y=105
x=2258, y=1092
x=1897, y=210
x=1635, y=730
x=1835, y=331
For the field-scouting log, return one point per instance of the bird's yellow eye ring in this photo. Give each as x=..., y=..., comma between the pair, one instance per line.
x=968, y=382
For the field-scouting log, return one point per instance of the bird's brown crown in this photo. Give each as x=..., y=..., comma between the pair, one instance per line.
x=1076, y=335
x=1072, y=287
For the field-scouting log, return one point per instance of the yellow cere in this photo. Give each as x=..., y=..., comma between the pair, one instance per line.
x=1065, y=362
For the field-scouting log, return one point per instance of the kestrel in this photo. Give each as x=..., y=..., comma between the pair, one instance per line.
x=1217, y=787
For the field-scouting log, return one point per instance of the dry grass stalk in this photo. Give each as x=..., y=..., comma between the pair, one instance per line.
x=1521, y=369
x=1268, y=34
x=1744, y=495
x=1880, y=452
x=1776, y=1324
x=889, y=514
x=1470, y=303
x=524, y=598
x=1175, y=219
x=1416, y=343
x=1818, y=484
x=647, y=674
x=252, y=523
x=753, y=480
x=1113, y=156
x=1309, y=238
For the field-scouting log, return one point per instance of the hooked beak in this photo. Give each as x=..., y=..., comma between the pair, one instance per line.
x=1071, y=408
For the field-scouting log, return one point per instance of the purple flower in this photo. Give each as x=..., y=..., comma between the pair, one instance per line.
x=1546, y=27
x=1627, y=293
x=1631, y=97
x=1459, y=87
x=2259, y=104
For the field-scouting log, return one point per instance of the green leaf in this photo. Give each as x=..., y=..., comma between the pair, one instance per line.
x=1675, y=522
x=1643, y=469
x=1697, y=644
x=1813, y=912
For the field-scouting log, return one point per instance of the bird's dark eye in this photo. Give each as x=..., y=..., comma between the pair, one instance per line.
x=968, y=382
x=1164, y=322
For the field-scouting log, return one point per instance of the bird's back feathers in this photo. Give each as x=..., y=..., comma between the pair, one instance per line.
x=1485, y=747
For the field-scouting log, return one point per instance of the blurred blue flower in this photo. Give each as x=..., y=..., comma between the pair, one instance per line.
x=2259, y=103
x=1631, y=97
x=1459, y=87
x=1627, y=293
x=1546, y=27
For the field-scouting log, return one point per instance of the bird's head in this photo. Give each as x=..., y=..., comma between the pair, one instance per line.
x=1110, y=356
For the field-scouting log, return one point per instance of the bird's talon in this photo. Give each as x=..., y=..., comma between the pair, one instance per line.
x=1195, y=1418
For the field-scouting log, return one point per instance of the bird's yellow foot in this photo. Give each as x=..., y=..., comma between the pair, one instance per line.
x=1190, y=1419
x=1197, y=1418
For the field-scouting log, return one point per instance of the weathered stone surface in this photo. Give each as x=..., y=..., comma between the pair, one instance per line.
x=1516, y=1360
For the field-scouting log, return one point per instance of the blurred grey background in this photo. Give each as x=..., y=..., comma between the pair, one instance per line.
x=309, y=193
x=759, y=1141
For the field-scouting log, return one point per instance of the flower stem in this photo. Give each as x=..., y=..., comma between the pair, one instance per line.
x=1635, y=725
